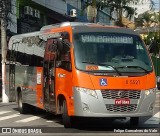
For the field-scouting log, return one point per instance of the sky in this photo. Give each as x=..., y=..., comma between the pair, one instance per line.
x=157, y=2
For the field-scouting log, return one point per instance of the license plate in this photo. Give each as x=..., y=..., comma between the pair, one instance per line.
x=122, y=102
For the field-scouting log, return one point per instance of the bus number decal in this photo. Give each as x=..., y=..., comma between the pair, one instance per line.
x=132, y=82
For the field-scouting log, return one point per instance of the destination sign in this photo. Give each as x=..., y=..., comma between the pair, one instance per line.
x=106, y=39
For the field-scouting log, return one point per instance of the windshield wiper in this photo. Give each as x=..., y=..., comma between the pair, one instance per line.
x=101, y=64
x=112, y=67
x=134, y=67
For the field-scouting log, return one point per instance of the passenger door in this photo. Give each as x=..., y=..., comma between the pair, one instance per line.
x=48, y=75
x=63, y=71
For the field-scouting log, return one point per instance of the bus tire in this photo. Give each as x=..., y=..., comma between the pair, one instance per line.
x=134, y=121
x=66, y=119
x=22, y=107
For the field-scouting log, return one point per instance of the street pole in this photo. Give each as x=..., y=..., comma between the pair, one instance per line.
x=159, y=21
x=5, y=94
x=158, y=42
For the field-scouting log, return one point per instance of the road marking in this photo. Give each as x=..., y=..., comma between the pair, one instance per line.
x=157, y=115
x=28, y=119
x=3, y=112
x=9, y=117
x=153, y=120
x=49, y=121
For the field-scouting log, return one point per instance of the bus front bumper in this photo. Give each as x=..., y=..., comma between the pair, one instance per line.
x=86, y=105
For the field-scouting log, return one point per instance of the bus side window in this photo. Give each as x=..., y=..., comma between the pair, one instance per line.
x=50, y=50
x=64, y=57
x=12, y=55
x=19, y=57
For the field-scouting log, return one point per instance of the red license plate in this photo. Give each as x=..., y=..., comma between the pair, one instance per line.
x=122, y=102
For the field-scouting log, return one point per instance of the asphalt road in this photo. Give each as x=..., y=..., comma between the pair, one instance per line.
x=40, y=121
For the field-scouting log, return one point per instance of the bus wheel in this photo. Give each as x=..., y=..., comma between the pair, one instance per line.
x=22, y=107
x=65, y=118
x=134, y=121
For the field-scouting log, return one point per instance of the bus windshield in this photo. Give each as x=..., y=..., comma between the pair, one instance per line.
x=111, y=52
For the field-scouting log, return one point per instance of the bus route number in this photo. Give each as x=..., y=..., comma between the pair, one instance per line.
x=132, y=82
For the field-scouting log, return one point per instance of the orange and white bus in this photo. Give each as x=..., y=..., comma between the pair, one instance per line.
x=79, y=69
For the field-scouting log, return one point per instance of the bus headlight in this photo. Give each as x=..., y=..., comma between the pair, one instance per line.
x=150, y=91
x=87, y=91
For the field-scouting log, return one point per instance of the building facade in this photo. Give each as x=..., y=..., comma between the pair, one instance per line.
x=31, y=15
x=103, y=16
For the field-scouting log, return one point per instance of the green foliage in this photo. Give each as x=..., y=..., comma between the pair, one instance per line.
x=118, y=5
x=146, y=21
x=147, y=18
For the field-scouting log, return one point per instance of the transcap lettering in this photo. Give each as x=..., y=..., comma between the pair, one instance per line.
x=106, y=39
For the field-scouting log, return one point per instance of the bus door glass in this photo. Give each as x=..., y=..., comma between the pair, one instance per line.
x=49, y=68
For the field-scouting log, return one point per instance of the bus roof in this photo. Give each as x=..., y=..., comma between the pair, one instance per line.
x=79, y=27
x=73, y=24
x=105, y=29
x=18, y=37
x=90, y=27
x=18, y=43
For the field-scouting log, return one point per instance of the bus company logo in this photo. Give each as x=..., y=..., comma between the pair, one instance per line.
x=121, y=94
x=103, y=82
x=6, y=130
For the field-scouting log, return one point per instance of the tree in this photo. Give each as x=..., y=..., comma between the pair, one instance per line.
x=147, y=20
x=114, y=5
x=120, y=6
x=5, y=95
x=150, y=22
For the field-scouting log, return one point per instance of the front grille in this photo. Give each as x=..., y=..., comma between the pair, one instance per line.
x=121, y=108
x=115, y=94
